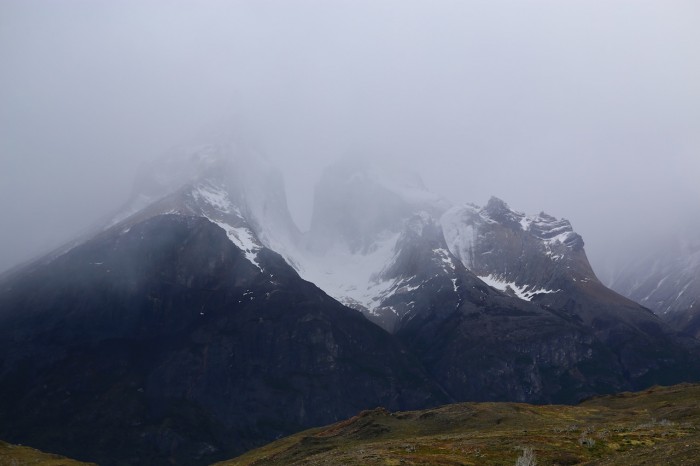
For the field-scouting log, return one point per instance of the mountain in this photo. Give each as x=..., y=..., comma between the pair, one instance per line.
x=199, y=322
x=667, y=281
x=525, y=256
x=229, y=183
x=544, y=329
x=656, y=426
x=364, y=219
x=542, y=260
x=175, y=336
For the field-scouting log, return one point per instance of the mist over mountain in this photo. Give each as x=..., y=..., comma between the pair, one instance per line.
x=227, y=222
x=587, y=111
x=199, y=320
x=176, y=332
x=666, y=277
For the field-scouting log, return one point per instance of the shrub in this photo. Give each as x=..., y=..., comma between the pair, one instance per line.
x=586, y=441
x=527, y=458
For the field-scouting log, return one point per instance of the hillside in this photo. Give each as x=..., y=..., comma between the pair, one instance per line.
x=656, y=426
x=15, y=455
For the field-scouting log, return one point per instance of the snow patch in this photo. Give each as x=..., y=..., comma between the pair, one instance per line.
x=559, y=238
x=214, y=196
x=549, y=253
x=525, y=223
x=244, y=239
x=658, y=285
x=444, y=256
x=354, y=278
x=524, y=292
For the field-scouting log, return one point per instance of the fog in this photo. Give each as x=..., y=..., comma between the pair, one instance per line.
x=588, y=110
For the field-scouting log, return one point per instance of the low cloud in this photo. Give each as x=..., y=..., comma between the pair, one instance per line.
x=586, y=110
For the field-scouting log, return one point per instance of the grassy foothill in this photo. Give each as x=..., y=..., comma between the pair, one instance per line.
x=652, y=427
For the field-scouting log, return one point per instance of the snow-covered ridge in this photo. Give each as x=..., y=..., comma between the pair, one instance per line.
x=351, y=277
x=213, y=195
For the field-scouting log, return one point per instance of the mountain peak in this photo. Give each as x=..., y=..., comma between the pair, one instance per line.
x=228, y=182
x=505, y=246
x=496, y=206
x=499, y=211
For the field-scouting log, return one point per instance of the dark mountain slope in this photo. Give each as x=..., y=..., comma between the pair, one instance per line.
x=162, y=342
x=687, y=321
x=482, y=344
x=648, y=349
x=561, y=337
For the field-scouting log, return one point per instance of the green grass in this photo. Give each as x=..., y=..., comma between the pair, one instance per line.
x=654, y=427
x=17, y=455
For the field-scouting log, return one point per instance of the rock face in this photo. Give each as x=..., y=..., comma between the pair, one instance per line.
x=541, y=259
x=524, y=256
x=199, y=322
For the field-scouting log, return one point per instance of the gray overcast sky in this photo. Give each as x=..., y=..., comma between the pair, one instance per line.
x=588, y=110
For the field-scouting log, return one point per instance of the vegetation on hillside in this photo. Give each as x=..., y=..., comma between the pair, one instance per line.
x=17, y=455
x=656, y=426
